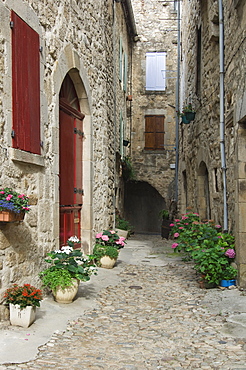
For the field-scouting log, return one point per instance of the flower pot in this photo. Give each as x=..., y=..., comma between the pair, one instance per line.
x=190, y=116
x=121, y=232
x=24, y=317
x=107, y=262
x=226, y=283
x=68, y=294
x=185, y=120
x=10, y=216
x=165, y=229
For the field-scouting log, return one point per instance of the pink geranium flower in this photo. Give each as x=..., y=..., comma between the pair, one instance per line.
x=105, y=238
x=181, y=227
x=99, y=235
x=171, y=225
x=174, y=245
x=9, y=197
x=176, y=235
x=177, y=220
x=218, y=226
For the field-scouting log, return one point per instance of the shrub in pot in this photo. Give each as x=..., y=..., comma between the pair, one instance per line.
x=107, y=244
x=67, y=267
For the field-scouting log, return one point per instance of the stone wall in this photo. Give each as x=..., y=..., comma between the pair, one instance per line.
x=82, y=39
x=201, y=175
x=157, y=29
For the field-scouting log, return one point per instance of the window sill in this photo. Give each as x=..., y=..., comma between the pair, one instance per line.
x=18, y=155
x=154, y=151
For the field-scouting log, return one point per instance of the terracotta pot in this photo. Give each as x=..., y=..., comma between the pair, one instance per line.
x=24, y=317
x=68, y=294
x=107, y=262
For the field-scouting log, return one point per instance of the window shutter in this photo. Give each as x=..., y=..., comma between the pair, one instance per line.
x=125, y=71
x=121, y=61
x=25, y=86
x=155, y=71
x=154, y=132
x=150, y=71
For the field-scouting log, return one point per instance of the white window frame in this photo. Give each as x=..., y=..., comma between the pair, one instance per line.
x=156, y=71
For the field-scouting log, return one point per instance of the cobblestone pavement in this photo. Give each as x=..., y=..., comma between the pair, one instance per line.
x=153, y=319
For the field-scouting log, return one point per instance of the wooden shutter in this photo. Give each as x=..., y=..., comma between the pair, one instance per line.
x=154, y=132
x=125, y=72
x=120, y=61
x=25, y=86
x=155, y=71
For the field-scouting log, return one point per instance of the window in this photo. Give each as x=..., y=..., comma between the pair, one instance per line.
x=175, y=5
x=123, y=67
x=154, y=132
x=156, y=71
x=25, y=86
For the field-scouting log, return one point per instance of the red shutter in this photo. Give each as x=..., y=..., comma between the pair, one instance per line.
x=154, y=132
x=25, y=86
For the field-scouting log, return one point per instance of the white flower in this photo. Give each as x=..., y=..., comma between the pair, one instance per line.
x=66, y=249
x=74, y=239
x=57, y=251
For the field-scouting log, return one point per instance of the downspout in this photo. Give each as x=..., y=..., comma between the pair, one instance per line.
x=222, y=114
x=115, y=96
x=177, y=108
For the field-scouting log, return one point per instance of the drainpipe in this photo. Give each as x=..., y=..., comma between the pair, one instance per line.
x=222, y=113
x=177, y=107
x=115, y=97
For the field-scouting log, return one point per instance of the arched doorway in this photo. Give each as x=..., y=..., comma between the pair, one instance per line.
x=203, y=192
x=70, y=161
x=142, y=205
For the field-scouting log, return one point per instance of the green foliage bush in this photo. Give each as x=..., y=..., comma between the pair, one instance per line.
x=211, y=250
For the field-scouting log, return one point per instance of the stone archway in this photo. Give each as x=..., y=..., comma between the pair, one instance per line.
x=142, y=205
x=203, y=193
x=70, y=62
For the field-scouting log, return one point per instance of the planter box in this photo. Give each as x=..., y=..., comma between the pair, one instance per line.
x=9, y=216
x=24, y=317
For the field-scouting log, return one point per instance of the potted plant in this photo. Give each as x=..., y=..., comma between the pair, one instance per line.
x=68, y=267
x=107, y=247
x=13, y=205
x=123, y=227
x=105, y=255
x=165, y=226
x=188, y=114
x=228, y=277
x=23, y=300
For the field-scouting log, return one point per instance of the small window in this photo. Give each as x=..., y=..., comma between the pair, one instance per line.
x=154, y=132
x=156, y=71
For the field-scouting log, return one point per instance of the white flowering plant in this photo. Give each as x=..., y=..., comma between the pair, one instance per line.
x=67, y=264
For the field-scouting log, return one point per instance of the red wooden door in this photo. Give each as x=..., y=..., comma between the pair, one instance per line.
x=70, y=173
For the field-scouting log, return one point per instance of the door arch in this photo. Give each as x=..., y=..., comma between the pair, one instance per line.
x=70, y=161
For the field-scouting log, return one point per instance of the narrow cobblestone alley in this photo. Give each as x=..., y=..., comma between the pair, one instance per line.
x=155, y=318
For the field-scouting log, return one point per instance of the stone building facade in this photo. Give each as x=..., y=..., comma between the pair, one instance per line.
x=152, y=125
x=83, y=55
x=202, y=170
